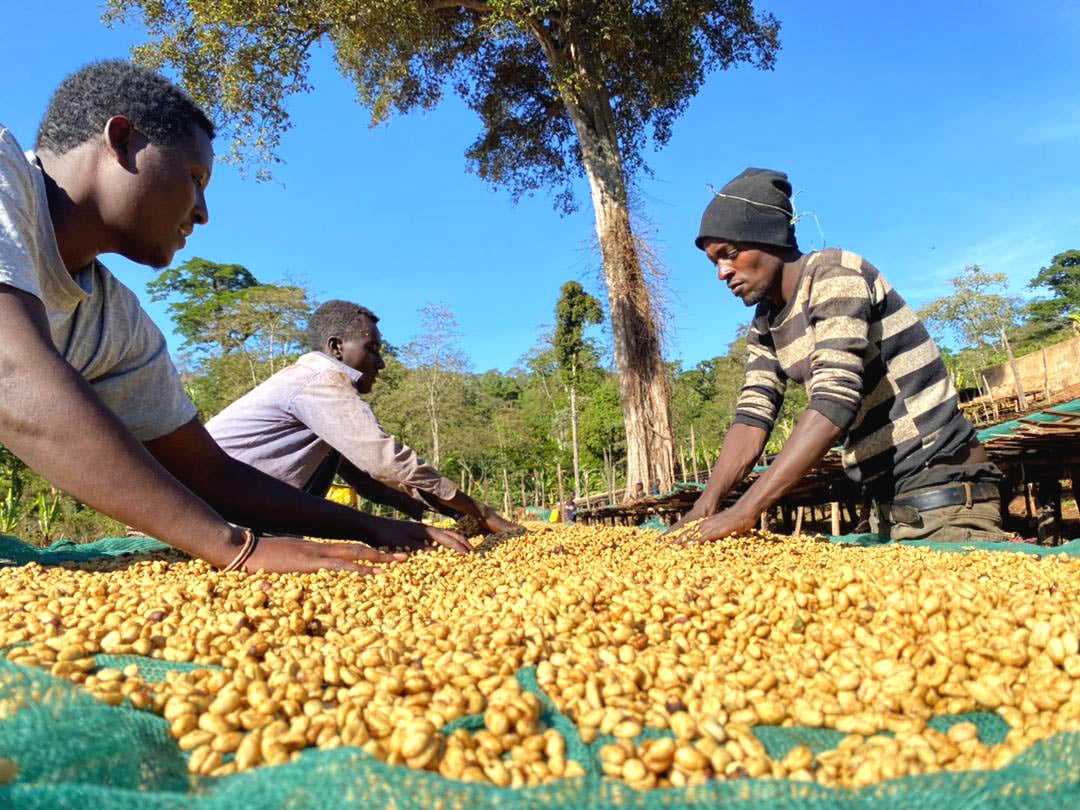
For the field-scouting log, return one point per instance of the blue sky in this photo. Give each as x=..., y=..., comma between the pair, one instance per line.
x=924, y=136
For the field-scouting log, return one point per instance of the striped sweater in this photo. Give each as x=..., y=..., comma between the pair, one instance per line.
x=869, y=366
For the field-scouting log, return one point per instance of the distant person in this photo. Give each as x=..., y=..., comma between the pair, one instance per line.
x=654, y=490
x=876, y=382
x=309, y=422
x=639, y=491
x=89, y=397
x=569, y=511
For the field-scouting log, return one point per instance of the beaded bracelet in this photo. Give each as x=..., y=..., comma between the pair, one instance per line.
x=250, y=539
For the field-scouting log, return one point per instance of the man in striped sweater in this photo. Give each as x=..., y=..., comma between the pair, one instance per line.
x=830, y=320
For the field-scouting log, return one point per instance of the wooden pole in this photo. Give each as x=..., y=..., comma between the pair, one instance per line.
x=558, y=472
x=1018, y=384
x=798, y=519
x=506, y=492
x=1048, y=501
x=586, y=493
x=979, y=388
x=611, y=473
x=1046, y=378
x=993, y=402
x=835, y=506
x=682, y=463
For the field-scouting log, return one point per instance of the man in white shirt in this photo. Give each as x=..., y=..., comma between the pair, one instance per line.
x=88, y=395
x=309, y=422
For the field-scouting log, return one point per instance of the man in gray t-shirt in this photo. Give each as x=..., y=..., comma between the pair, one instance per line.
x=88, y=395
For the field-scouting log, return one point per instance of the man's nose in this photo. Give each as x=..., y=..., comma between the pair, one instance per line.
x=201, y=213
x=724, y=270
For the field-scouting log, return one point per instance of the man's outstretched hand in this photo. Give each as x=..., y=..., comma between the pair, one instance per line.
x=698, y=511
x=294, y=555
x=415, y=536
x=718, y=526
x=495, y=523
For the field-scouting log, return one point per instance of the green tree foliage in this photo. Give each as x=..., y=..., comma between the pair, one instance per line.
x=975, y=314
x=563, y=88
x=1062, y=279
x=434, y=353
x=238, y=332
x=574, y=311
x=201, y=293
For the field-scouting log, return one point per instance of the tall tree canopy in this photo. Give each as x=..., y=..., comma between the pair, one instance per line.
x=979, y=313
x=976, y=312
x=1062, y=278
x=562, y=88
x=239, y=331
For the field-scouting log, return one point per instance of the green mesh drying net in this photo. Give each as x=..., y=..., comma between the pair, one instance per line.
x=75, y=751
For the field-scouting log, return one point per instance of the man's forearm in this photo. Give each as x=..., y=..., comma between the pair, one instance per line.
x=464, y=503
x=251, y=498
x=52, y=420
x=742, y=448
x=809, y=442
x=375, y=490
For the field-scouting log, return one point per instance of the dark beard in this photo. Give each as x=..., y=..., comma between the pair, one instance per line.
x=754, y=298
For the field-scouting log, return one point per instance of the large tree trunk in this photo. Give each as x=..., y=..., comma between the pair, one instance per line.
x=643, y=383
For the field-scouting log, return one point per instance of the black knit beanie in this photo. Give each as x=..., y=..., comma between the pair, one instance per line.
x=754, y=207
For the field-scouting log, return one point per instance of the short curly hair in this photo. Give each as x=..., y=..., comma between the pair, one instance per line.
x=337, y=319
x=92, y=95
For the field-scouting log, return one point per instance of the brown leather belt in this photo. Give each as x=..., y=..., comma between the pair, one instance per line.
x=907, y=509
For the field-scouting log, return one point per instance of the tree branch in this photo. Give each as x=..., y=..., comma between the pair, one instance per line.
x=473, y=5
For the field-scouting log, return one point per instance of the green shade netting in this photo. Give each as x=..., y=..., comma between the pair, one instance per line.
x=1005, y=428
x=75, y=751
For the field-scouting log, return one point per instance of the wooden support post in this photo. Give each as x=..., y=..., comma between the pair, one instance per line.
x=1027, y=500
x=852, y=512
x=682, y=463
x=798, y=518
x=1046, y=379
x=763, y=523
x=993, y=402
x=693, y=453
x=1048, y=500
x=835, y=506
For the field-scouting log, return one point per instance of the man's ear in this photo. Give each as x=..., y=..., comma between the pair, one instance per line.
x=119, y=137
x=333, y=346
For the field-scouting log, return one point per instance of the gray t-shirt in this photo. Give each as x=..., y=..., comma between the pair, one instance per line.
x=97, y=323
